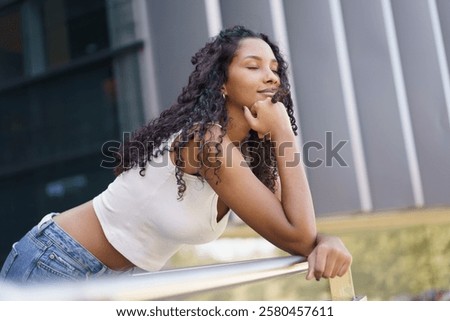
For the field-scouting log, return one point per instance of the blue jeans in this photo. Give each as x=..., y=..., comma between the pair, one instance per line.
x=47, y=253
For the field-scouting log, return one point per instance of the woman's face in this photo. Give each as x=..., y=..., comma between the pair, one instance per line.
x=252, y=74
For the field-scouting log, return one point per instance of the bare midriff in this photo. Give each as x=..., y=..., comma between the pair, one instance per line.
x=82, y=224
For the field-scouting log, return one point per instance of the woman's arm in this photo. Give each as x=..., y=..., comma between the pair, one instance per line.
x=289, y=224
x=285, y=219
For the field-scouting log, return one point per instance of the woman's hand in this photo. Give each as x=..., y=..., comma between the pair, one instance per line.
x=266, y=117
x=329, y=258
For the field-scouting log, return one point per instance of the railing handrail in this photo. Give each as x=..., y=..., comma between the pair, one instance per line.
x=162, y=285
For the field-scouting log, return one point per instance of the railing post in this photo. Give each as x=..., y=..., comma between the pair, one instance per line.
x=342, y=289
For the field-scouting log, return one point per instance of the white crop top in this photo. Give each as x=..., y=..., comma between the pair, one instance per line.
x=143, y=219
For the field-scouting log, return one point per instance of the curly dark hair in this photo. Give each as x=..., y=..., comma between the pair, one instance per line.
x=201, y=104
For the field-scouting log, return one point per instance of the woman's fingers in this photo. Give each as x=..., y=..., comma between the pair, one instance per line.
x=254, y=118
x=329, y=259
x=311, y=265
x=316, y=262
x=251, y=120
x=264, y=116
x=345, y=266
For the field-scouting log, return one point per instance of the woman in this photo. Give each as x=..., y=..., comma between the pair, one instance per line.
x=228, y=143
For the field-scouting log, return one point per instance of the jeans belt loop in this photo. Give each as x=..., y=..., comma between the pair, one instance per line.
x=45, y=221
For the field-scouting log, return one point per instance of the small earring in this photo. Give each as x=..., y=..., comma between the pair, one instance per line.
x=224, y=96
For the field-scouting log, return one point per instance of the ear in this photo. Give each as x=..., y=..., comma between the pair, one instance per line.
x=223, y=90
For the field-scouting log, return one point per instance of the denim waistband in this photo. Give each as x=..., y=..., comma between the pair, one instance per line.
x=48, y=228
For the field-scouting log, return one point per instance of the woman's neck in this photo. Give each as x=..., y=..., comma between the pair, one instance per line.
x=238, y=128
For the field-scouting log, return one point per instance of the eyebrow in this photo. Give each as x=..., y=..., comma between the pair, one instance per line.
x=259, y=58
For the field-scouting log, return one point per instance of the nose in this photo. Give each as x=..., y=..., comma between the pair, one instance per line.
x=271, y=77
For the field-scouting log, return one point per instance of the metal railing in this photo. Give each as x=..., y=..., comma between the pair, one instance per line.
x=176, y=283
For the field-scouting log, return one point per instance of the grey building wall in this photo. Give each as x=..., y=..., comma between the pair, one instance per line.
x=320, y=102
x=378, y=84
x=254, y=14
x=178, y=29
x=426, y=96
x=376, y=98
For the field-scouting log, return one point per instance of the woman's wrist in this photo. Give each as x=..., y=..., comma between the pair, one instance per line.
x=319, y=238
x=281, y=135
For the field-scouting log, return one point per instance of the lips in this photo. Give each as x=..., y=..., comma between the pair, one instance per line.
x=268, y=91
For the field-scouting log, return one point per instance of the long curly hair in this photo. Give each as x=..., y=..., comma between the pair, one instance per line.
x=201, y=104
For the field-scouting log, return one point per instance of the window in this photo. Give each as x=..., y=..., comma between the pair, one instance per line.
x=38, y=35
x=60, y=118
x=58, y=106
x=73, y=29
x=11, y=48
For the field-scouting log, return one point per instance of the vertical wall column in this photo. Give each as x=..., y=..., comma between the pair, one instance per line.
x=440, y=50
x=281, y=36
x=403, y=107
x=147, y=70
x=213, y=17
x=351, y=110
x=126, y=67
x=34, y=50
